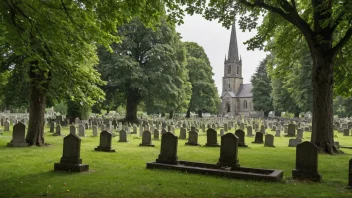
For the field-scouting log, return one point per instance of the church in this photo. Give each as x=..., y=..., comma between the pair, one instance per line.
x=236, y=97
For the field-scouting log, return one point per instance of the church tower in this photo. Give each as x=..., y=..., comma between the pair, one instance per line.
x=232, y=66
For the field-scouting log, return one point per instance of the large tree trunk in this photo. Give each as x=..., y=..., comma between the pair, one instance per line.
x=133, y=100
x=171, y=115
x=322, y=81
x=188, y=114
x=37, y=104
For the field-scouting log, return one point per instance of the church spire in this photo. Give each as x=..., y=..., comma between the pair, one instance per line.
x=233, y=49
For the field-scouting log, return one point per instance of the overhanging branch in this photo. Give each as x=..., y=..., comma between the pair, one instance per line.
x=343, y=41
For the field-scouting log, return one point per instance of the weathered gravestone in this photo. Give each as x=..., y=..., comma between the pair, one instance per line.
x=81, y=131
x=70, y=160
x=212, y=139
x=57, y=130
x=258, y=138
x=262, y=129
x=225, y=127
x=168, y=149
x=306, y=162
x=52, y=126
x=18, y=135
x=95, y=130
x=221, y=132
x=134, y=129
x=6, y=125
x=123, y=136
x=147, y=139
x=269, y=140
x=291, y=130
x=249, y=131
x=241, y=139
x=299, y=134
x=105, y=142
x=72, y=130
x=294, y=142
x=192, y=139
x=229, y=151
x=156, y=134
x=183, y=133
x=346, y=132
x=277, y=134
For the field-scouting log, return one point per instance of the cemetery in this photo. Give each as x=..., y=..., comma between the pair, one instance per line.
x=126, y=98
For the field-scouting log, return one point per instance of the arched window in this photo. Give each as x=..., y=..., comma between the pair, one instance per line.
x=228, y=108
x=245, y=104
x=229, y=69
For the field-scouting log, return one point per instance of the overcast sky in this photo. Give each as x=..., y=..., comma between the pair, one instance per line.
x=215, y=40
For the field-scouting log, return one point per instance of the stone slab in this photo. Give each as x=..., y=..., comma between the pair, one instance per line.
x=71, y=167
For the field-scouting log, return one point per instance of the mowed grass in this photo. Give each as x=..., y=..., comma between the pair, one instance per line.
x=28, y=172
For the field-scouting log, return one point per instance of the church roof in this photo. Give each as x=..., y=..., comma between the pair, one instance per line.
x=231, y=93
x=245, y=91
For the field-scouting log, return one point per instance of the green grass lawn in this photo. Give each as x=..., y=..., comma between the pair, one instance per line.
x=28, y=172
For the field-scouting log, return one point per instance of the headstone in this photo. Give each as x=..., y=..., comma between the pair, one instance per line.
x=221, y=132
x=242, y=126
x=81, y=131
x=258, y=138
x=241, y=139
x=192, y=139
x=277, y=133
x=57, y=130
x=6, y=125
x=70, y=160
x=299, y=134
x=123, y=136
x=306, y=162
x=72, y=130
x=262, y=129
x=156, y=134
x=95, y=130
x=294, y=142
x=249, y=131
x=18, y=135
x=52, y=126
x=163, y=131
x=225, y=127
x=183, y=133
x=168, y=149
x=291, y=131
x=346, y=132
x=212, y=139
x=134, y=129
x=105, y=142
x=269, y=140
x=147, y=139
x=229, y=151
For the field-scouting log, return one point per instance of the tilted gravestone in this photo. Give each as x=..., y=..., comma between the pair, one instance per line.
x=258, y=138
x=81, y=131
x=18, y=135
x=306, y=162
x=168, y=149
x=57, y=130
x=156, y=134
x=105, y=142
x=183, y=133
x=70, y=160
x=249, y=131
x=72, y=130
x=291, y=130
x=269, y=140
x=147, y=139
x=212, y=139
x=294, y=142
x=241, y=139
x=229, y=151
x=192, y=139
x=123, y=136
x=6, y=125
x=95, y=130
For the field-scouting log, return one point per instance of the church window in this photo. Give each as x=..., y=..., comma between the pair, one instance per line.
x=229, y=69
x=245, y=104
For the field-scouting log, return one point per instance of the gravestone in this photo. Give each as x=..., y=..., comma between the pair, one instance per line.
x=258, y=138
x=57, y=130
x=52, y=127
x=346, y=132
x=147, y=139
x=18, y=135
x=70, y=160
x=291, y=130
x=269, y=140
x=262, y=129
x=156, y=134
x=192, y=139
x=242, y=126
x=306, y=162
x=168, y=149
x=6, y=125
x=212, y=139
x=183, y=133
x=81, y=131
x=163, y=131
x=105, y=142
x=72, y=130
x=225, y=127
x=294, y=142
x=249, y=131
x=134, y=129
x=229, y=151
x=86, y=125
x=241, y=139
x=299, y=134
x=95, y=130
x=123, y=136
x=221, y=132
x=277, y=133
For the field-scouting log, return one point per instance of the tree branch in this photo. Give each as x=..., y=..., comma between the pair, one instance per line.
x=342, y=42
x=69, y=16
x=293, y=2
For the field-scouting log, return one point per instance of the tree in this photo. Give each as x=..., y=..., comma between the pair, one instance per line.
x=262, y=100
x=57, y=41
x=148, y=65
x=324, y=25
x=205, y=97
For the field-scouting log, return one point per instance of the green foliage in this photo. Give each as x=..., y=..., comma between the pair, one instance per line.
x=262, y=99
x=204, y=92
x=61, y=108
x=343, y=107
x=77, y=110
